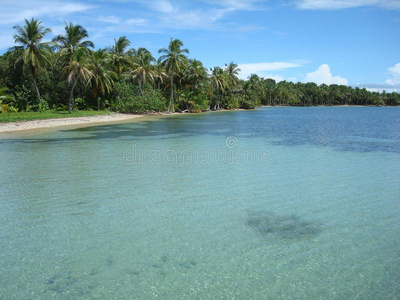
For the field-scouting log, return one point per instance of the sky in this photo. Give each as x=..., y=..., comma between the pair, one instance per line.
x=350, y=42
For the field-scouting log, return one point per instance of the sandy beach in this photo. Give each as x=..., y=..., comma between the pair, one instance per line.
x=65, y=122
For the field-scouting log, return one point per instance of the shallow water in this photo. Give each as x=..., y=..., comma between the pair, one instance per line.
x=277, y=203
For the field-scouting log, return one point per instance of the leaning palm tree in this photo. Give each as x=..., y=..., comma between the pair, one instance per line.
x=174, y=60
x=72, y=40
x=232, y=71
x=103, y=78
x=32, y=51
x=142, y=68
x=77, y=69
x=118, y=54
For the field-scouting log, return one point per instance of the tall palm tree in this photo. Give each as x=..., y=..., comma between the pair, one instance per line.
x=72, y=40
x=174, y=60
x=118, y=54
x=142, y=68
x=219, y=81
x=103, y=78
x=33, y=52
x=77, y=69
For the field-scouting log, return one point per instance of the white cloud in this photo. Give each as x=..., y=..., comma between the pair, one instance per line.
x=238, y=4
x=395, y=74
x=163, y=6
x=323, y=75
x=13, y=12
x=340, y=4
x=137, y=22
x=109, y=19
x=277, y=78
x=261, y=68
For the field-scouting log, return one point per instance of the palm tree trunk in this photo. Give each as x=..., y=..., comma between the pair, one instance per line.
x=71, y=97
x=171, y=100
x=141, y=88
x=36, y=86
x=98, y=103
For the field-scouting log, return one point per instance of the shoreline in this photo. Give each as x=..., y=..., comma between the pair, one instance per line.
x=68, y=123
x=46, y=125
x=112, y=118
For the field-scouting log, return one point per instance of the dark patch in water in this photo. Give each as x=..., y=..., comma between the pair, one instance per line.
x=156, y=266
x=94, y=272
x=131, y=272
x=188, y=264
x=164, y=259
x=288, y=227
x=109, y=262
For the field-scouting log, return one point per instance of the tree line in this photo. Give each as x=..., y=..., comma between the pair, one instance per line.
x=67, y=73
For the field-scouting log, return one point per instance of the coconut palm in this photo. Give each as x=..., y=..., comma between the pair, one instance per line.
x=102, y=80
x=32, y=51
x=142, y=68
x=118, y=54
x=159, y=74
x=219, y=81
x=196, y=72
x=232, y=71
x=72, y=40
x=174, y=60
x=77, y=69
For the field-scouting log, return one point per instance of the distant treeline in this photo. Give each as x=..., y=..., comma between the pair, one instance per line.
x=67, y=74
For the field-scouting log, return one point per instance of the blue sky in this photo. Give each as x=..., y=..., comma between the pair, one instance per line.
x=354, y=42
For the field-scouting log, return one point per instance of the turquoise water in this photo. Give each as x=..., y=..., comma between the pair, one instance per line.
x=276, y=203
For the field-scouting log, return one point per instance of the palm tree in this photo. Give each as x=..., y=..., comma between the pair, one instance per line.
x=6, y=101
x=174, y=60
x=159, y=74
x=102, y=80
x=77, y=69
x=196, y=72
x=72, y=40
x=33, y=53
x=232, y=71
x=118, y=54
x=142, y=68
x=219, y=81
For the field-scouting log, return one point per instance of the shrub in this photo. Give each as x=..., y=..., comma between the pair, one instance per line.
x=151, y=101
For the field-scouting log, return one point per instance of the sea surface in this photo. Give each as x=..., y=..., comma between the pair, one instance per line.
x=275, y=203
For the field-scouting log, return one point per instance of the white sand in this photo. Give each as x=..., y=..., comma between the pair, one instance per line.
x=65, y=122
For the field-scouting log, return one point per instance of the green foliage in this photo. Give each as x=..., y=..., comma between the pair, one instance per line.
x=246, y=104
x=232, y=102
x=140, y=104
x=24, y=98
x=5, y=108
x=127, y=100
x=198, y=103
x=43, y=106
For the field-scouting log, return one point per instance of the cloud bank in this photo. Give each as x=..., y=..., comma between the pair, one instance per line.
x=261, y=68
x=323, y=75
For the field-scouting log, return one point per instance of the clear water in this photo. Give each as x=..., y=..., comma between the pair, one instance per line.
x=276, y=203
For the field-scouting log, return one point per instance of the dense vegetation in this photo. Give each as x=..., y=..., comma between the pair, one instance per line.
x=67, y=74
